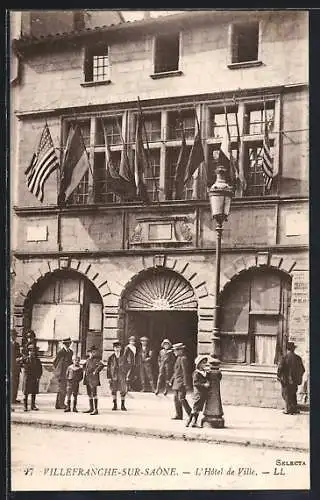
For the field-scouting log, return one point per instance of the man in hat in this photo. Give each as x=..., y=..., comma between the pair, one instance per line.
x=32, y=371
x=92, y=368
x=166, y=360
x=16, y=360
x=61, y=362
x=180, y=381
x=145, y=356
x=117, y=369
x=131, y=357
x=290, y=372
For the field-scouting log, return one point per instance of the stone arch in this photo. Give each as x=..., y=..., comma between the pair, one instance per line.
x=197, y=282
x=48, y=267
x=260, y=260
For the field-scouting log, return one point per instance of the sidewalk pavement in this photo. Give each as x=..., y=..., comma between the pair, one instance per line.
x=150, y=415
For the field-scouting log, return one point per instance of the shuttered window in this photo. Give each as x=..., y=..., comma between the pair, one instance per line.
x=254, y=317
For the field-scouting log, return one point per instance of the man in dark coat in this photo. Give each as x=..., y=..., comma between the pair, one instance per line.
x=180, y=381
x=145, y=355
x=32, y=371
x=166, y=360
x=61, y=362
x=117, y=369
x=201, y=386
x=16, y=360
x=290, y=372
x=131, y=356
x=92, y=368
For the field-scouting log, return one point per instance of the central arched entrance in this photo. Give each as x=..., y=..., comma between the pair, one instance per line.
x=159, y=303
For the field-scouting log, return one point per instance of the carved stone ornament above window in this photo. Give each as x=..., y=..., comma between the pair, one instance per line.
x=169, y=231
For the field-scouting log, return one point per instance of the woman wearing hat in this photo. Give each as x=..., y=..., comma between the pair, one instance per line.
x=61, y=362
x=166, y=361
x=201, y=386
x=92, y=368
x=117, y=369
x=32, y=371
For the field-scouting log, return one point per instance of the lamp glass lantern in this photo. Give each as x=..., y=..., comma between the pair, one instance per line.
x=220, y=195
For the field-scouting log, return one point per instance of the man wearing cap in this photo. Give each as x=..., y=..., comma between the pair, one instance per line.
x=290, y=372
x=92, y=368
x=130, y=355
x=61, y=362
x=145, y=356
x=166, y=360
x=180, y=381
x=117, y=369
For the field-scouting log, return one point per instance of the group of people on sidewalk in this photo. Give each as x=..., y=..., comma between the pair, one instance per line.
x=128, y=364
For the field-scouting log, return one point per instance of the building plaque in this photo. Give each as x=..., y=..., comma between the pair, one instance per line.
x=37, y=233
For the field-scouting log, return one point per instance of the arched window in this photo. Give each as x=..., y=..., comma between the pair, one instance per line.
x=254, y=317
x=65, y=304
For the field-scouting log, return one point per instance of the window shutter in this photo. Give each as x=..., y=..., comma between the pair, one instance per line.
x=235, y=311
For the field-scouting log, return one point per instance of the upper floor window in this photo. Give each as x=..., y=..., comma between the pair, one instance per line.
x=167, y=48
x=245, y=42
x=162, y=137
x=97, y=63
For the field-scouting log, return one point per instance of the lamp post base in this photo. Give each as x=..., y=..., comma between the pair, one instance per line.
x=212, y=422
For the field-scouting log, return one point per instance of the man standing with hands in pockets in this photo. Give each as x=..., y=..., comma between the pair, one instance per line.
x=180, y=381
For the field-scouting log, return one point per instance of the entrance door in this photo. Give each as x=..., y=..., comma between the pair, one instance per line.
x=177, y=326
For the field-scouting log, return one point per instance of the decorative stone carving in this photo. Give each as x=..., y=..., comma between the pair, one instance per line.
x=137, y=233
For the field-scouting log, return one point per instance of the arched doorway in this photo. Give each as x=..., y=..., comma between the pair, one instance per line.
x=159, y=303
x=64, y=304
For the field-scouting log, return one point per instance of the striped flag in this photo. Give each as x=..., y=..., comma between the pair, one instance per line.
x=75, y=163
x=267, y=161
x=43, y=163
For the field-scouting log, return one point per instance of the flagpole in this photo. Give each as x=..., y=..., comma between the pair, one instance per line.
x=148, y=155
x=59, y=242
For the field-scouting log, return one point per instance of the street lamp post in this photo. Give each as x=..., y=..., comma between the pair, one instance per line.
x=220, y=195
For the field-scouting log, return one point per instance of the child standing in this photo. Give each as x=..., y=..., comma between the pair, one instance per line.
x=32, y=372
x=74, y=376
x=92, y=368
x=117, y=370
x=201, y=386
x=166, y=362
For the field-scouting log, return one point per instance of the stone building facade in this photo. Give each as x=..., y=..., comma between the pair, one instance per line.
x=101, y=269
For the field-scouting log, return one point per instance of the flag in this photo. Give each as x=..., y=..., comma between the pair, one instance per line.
x=267, y=162
x=140, y=163
x=180, y=168
x=43, y=163
x=75, y=163
x=196, y=156
x=125, y=169
x=239, y=165
x=225, y=157
x=115, y=182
